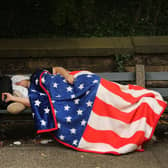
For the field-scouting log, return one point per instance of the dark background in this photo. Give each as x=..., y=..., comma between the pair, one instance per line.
x=82, y=18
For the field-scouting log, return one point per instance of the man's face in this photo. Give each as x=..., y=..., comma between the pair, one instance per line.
x=23, y=83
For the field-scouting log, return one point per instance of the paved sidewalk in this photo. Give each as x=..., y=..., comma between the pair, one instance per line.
x=54, y=155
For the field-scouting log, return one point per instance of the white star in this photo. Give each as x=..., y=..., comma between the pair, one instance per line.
x=33, y=114
x=33, y=90
x=68, y=119
x=89, y=103
x=72, y=96
x=83, y=122
x=73, y=131
x=76, y=101
x=69, y=89
x=81, y=86
x=79, y=112
x=95, y=81
x=66, y=108
x=61, y=137
x=75, y=142
x=59, y=125
x=55, y=111
x=89, y=76
x=58, y=96
x=43, y=80
x=36, y=81
x=64, y=81
x=87, y=92
x=53, y=101
x=37, y=102
x=42, y=94
x=55, y=85
x=47, y=110
x=43, y=123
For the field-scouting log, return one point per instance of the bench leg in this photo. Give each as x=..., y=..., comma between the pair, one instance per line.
x=140, y=75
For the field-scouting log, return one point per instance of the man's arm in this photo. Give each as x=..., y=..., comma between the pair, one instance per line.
x=64, y=73
x=8, y=97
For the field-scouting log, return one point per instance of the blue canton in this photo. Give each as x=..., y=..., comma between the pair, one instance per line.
x=72, y=104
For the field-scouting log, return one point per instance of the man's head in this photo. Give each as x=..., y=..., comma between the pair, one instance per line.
x=24, y=83
x=21, y=80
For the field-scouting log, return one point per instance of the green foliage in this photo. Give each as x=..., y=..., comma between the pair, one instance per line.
x=84, y=18
x=120, y=60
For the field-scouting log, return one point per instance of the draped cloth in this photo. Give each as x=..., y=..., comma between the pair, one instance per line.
x=93, y=114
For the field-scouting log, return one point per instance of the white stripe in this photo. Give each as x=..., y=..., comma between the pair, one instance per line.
x=154, y=105
x=138, y=93
x=82, y=73
x=111, y=98
x=120, y=128
x=124, y=106
x=102, y=147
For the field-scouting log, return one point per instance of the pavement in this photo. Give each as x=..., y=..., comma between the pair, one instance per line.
x=21, y=147
x=54, y=155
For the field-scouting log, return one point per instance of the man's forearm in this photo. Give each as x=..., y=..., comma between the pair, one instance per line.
x=61, y=71
x=24, y=101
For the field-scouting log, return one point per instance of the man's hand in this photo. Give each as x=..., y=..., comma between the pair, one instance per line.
x=64, y=73
x=70, y=79
x=7, y=97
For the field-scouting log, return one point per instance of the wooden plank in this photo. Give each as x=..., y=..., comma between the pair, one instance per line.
x=156, y=75
x=140, y=75
x=118, y=76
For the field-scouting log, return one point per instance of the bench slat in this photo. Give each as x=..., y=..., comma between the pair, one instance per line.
x=27, y=111
x=162, y=91
x=156, y=75
x=118, y=76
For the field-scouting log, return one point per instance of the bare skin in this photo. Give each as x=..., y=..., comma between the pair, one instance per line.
x=64, y=73
x=10, y=97
x=26, y=83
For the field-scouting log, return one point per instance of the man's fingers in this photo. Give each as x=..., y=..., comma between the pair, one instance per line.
x=70, y=79
x=4, y=96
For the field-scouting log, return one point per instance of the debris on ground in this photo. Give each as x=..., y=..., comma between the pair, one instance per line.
x=17, y=143
x=45, y=141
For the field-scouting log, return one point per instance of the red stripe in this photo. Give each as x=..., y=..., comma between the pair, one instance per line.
x=74, y=72
x=114, y=88
x=111, y=138
x=46, y=130
x=144, y=110
x=135, y=87
x=162, y=103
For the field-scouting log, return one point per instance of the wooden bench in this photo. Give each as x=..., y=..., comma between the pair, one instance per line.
x=139, y=77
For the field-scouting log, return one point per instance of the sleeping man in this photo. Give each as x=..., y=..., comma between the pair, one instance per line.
x=88, y=113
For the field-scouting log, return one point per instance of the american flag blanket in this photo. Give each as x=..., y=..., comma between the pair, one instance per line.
x=93, y=114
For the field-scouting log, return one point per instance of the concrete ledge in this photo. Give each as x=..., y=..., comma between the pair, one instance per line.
x=64, y=47
x=151, y=45
x=83, y=46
